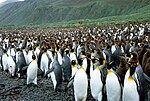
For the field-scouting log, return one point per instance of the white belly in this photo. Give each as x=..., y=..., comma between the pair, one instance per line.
x=29, y=57
x=72, y=56
x=80, y=85
x=130, y=91
x=44, y=63
x=32, y=71
x=96, y=84
x=11, y=65
x=74, y=70
x=4, y=62
x=113, y=88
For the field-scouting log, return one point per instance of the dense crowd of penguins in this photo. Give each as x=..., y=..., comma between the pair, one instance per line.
x=113, y=61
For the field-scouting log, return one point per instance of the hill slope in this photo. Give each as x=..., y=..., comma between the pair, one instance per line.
x=49, y=11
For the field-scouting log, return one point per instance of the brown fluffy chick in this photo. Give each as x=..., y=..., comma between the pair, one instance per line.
x=141, y=54
x=123, y=67
x=146, y=63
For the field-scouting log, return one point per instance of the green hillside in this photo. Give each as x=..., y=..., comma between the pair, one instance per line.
x=52, y=11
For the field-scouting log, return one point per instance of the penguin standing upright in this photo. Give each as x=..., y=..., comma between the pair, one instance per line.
x=96, y=83
x=11, y=65
x=29, y=55
x=130, y=91
x=1, y=53
x=55, y=73
x=44, y=62
x=113, y=84
x=20, y=62
x=4, y=60
x=73, y=55
x=74, y=68
x=66, y=68
x=80, y=83
x=32, y=71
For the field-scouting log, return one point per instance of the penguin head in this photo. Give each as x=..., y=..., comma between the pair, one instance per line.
x=72, y=50
x=94, y=50
x=133, y=62
x=73, y=62
x=33, y=57
x=80, y=59
x=94, y=60
x=108, y=64
x=5, y=51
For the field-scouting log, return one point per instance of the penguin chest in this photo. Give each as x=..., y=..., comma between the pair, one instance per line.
x=72, y=56
x=80, y=84
x=96, y=83
x=25, y=55
x=44, y=62
x=29, y=57
x=113, y=85
x=113, y=48
x=74, y=70
x=4, y=62
x=32, y=70
x=59, y=58
x=37, y=51
x=11, y=65
x=130, y=92
x=84, y=65
x=12, y=52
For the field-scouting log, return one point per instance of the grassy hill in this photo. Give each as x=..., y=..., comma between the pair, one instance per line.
x=32, y=12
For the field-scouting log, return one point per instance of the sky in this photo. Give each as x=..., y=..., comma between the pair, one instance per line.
x=6, y=0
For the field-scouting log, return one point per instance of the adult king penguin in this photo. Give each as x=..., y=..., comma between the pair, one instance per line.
x=32, y=71
x=66, y=67
x=55, y=73
x=80, y=82
x=113, y=85
x=11, y=65
x=4, y=60
x=20, y=62
x=96, y=83
x=131, y=82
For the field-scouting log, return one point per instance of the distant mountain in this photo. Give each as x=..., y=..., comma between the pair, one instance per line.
x=47, y=11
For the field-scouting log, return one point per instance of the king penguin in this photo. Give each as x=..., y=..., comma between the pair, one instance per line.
x=66, y=67
x=32, y=71
x=55, y=72
x=96, y=83
x=20, y=62
x=130, y=91
x=11, y=65
x=44, y=62
x=4, y=60
x=74, y=68
x=80, y=83
x=73, y=55
x=113, y=84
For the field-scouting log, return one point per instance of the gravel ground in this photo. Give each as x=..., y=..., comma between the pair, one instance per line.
x=43, y=92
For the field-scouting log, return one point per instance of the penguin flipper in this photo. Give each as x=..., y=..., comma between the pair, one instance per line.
x=70, y=83
x=24, y=68
x=49, y=71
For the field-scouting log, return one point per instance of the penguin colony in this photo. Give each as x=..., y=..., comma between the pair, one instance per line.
x=113, y=61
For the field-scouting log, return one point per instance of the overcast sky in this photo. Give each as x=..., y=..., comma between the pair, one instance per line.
x=9, y=0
